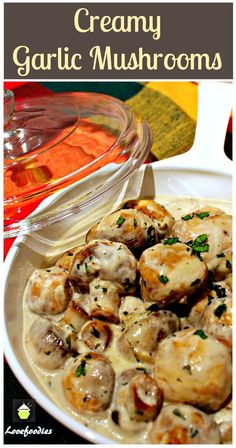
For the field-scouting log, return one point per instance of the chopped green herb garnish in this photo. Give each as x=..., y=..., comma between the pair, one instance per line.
x=202, y=215
x=81, y=369
x=78, y=266
x=228, y=264
x=187, y=217
x=220, y=291
x=86, y=268
x=201, y=334
x=97, y=286
x=135, y=223
x=48, y=352
x=125, y=313
x=221, y=255
x=197, y=246
x=220, y=310
x=163, y=278
x=210, y=298
x=201, y=238
x=178, y=413
x=68, y=341
x=95, y=332
x=88, y=356
x=120, y=221
x=171, y=240
x=104, y=290
x=127, y=284
x=193, y=432
x=75, y=354
x=188, y=368
x=142, y=369
x=124, y=384
x=151, y=235
x=196, y=282
x=153, y=307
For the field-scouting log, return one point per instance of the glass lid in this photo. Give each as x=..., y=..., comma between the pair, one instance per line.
x=56, y=141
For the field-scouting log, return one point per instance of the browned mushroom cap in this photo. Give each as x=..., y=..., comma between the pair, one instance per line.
x=96, y=335
x=46, y=344
x=137, y=399
x=218, y=229
x=48, y=291
x=144, y=398
x=202, y=371
x=183, y=424
x=104, y=300
x=65, y=260
x=140, y=340
x=163, y=219
x=88, y=384
x=130, y=227
x=170, y=272
x=75, y=316
x=107, y=260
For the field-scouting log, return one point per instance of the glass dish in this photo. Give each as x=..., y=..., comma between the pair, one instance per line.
x=59, y=141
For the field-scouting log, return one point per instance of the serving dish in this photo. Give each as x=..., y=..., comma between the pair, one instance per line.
x=192, y=174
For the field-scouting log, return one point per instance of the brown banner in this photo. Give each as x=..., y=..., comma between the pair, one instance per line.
x=118, y=41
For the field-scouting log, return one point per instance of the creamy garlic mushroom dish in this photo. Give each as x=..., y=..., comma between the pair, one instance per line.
x=131, y=332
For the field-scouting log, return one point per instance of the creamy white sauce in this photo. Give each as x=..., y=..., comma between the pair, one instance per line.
x=51, y=381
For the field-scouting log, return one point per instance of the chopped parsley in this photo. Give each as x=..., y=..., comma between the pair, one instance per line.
x=127, y=284
x=78, y=266
x=220, y=291
x=200, y=245
x=153, y=307
x=97, y=286
x=151, y=235
x=187, y=217
x=48, y=352
x=120, y=221
x=135, y=223
x=228, y=264
x=209, y=298
x=88, y=356
x=163, y=278
x=201, y=334
x=220, y=310
x=142, y=369
x=202, y=215
x=193, y=432
x=188, y=368
x=86, y=268
x=221, y=255
x=178, y=413
x=68, y=341
x=95, y=332
x=196, y=282
x=81, y=369
x=104, y=290
x=171, y=240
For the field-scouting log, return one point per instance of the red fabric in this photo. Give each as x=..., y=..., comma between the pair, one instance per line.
x=24, y=90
